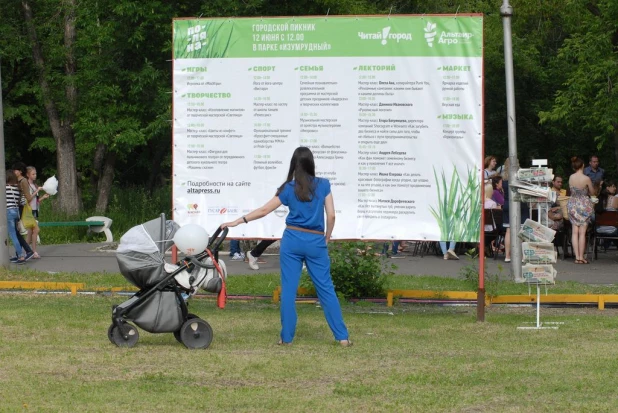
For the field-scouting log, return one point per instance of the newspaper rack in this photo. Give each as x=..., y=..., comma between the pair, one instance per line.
x=537, y=247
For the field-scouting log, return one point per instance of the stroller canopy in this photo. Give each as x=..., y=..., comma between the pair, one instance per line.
x=141, y=253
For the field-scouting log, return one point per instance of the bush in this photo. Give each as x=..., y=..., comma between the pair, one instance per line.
x=357, y=271
x=470, y=274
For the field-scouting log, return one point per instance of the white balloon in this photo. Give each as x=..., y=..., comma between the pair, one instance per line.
x=51, y=185
x=191, y=239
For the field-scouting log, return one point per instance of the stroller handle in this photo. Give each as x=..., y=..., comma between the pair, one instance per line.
x=219, y=239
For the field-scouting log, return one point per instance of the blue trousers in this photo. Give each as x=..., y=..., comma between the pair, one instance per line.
x=395, y=249
x=12, y=216
x=296, y=247
x=234, y=247
x=451, y=246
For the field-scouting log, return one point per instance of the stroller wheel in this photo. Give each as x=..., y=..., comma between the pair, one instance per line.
x=196, y=333
x=110, y=334
x=177, y=333
x=128, y=340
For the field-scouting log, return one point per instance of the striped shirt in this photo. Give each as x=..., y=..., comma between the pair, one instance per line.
x=13, y=196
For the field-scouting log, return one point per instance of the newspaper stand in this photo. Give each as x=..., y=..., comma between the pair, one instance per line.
x=537, y=255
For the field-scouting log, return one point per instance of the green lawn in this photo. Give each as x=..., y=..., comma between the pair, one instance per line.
x=56, y=357
x=264, y=284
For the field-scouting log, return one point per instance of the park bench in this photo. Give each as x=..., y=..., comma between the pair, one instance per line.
x=94, y=224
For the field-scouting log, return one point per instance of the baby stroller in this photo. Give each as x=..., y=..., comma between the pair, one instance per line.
x=160, y=306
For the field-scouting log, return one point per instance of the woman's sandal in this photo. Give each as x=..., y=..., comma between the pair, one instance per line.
x=584, y=261
x=282, y=343
x=579, y=262
x=345, y=343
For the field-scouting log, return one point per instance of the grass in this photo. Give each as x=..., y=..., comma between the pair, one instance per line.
x=264, y=284
x=56, y=357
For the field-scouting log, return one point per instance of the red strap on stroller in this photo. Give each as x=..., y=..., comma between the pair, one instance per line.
x=221, y=298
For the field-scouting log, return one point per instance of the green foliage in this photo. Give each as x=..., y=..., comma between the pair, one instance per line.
x=357, y=271
x=128, y=207
x=470, y=274
x=564, y=55
x=587, y=99
x=306, y=283
x=458, y=212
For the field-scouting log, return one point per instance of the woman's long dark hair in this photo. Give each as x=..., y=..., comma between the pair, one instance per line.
x=604, y=197
x=495, y=180
x=302, y=170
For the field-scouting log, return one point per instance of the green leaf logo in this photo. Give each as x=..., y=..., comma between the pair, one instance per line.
x=430, y=33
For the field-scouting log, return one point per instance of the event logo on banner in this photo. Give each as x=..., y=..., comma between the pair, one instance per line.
x=391, y=107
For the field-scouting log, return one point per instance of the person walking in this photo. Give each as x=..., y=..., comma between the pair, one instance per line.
x=448, y=254
x=235, y=252
x=13, y=195
x=580, y=208
x=35, y=199
x=254, y=255
x=19, y=170
x=305, y=238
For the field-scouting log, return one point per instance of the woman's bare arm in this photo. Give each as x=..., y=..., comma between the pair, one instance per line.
x=591, y=189
x=329, y=206
x=261, y=212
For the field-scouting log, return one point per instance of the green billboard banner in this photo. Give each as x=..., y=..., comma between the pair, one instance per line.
x=329, y=36
x=391, y=107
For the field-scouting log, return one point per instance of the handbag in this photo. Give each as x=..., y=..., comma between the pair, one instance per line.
x=27, y=218
x=20, y=228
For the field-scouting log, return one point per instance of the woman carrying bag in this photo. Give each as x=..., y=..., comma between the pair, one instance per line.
x=19, y=170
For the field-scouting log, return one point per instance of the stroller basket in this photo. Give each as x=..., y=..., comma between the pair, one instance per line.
x=159, y=313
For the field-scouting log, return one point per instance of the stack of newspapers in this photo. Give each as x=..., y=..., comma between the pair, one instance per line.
x=535, y=174
x=538, y=253
x=538, y=274
x=528, y=192
x=532, y=231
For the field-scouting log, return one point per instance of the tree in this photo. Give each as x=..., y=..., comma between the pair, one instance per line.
x=94, y=87
x=124, y=85
x=60, y=114
x=587, y=100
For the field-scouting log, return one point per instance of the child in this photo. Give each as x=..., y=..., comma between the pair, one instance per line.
x=33, y=189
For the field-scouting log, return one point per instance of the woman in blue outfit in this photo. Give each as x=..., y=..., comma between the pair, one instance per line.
x=304, y=239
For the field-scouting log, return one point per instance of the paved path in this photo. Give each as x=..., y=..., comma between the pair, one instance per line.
x=88, y=258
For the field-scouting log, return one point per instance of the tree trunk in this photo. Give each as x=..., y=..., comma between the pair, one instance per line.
x=105, y=183
x=97, y=165
x=155, y=169
x=68, y=196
